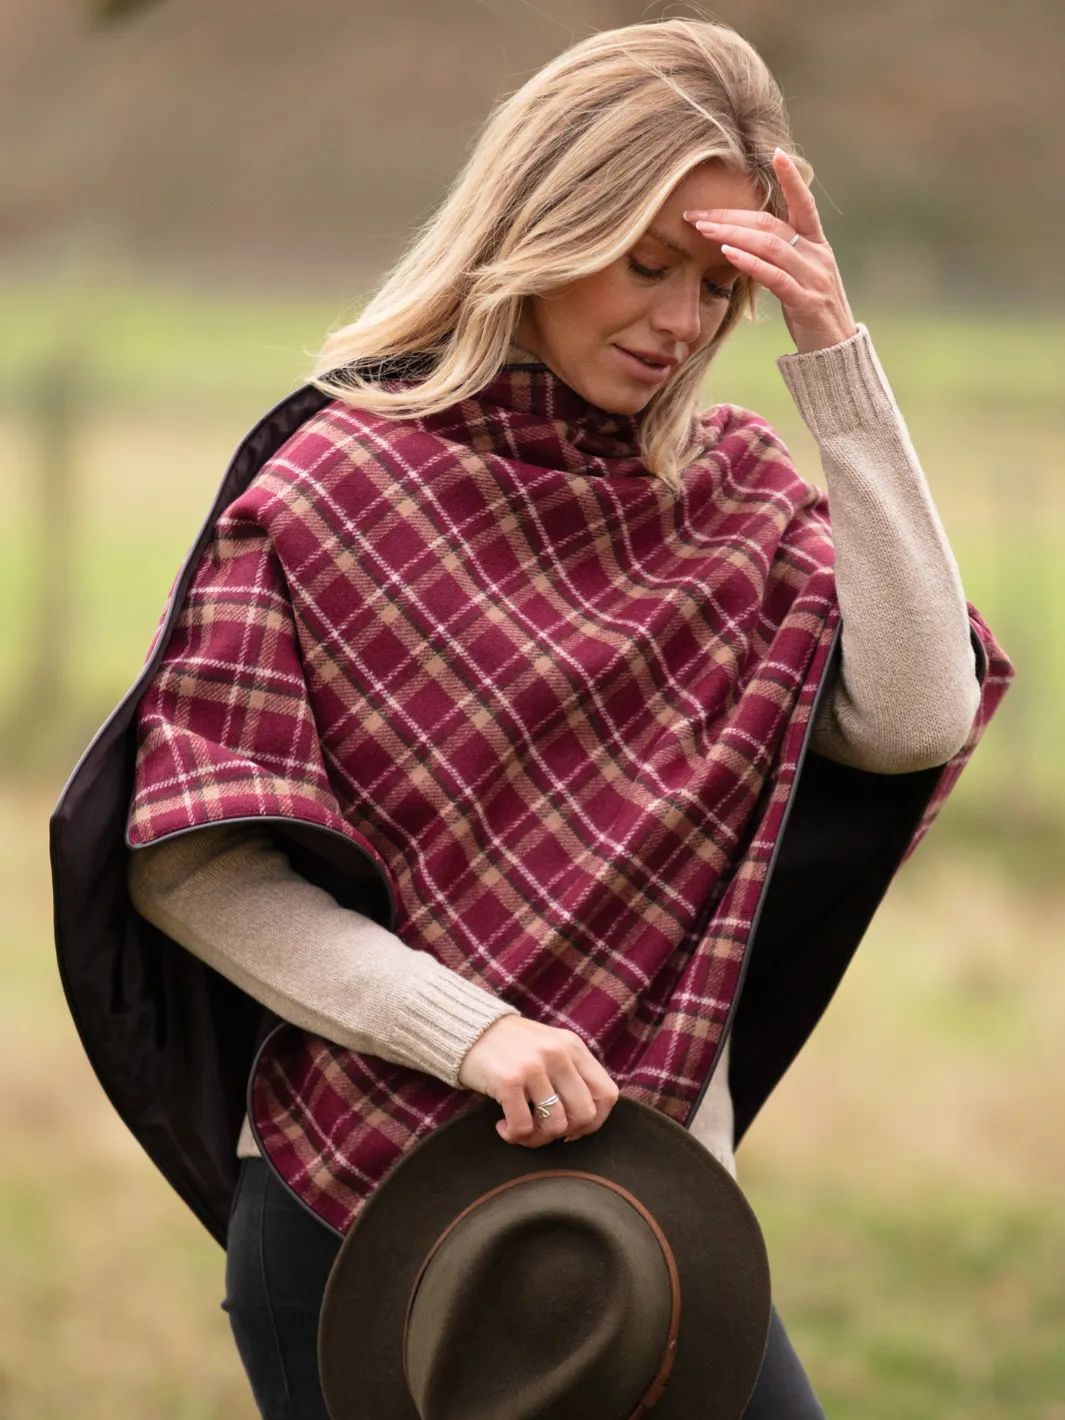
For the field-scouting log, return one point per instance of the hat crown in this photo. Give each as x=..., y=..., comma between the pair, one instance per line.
x=549, y=1298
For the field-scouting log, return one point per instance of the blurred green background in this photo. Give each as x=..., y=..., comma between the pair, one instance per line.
x=194, y=192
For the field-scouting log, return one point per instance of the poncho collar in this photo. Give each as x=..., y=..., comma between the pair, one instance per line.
x=526, y=407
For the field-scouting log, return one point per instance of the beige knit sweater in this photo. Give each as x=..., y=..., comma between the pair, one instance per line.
x=905, y=698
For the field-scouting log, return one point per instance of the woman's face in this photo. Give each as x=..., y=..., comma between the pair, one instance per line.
x=663, y=300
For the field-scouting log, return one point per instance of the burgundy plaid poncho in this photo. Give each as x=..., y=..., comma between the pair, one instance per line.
x=560, y=705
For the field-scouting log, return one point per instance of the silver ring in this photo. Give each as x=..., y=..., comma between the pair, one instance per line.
x=794, y=239
x=544, y=1106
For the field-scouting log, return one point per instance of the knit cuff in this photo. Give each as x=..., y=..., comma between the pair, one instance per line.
x=443, y=1015
x=840, y=388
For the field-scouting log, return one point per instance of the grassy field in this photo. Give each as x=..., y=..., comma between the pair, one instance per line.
x=907, y=1172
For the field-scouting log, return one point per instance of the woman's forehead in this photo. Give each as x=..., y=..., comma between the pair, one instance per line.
x=713, y=185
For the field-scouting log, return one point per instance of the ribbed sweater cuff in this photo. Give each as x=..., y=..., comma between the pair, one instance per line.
x=443, y=1015
x=840, y=388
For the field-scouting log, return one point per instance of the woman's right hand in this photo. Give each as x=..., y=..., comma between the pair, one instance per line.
x=518, y=1061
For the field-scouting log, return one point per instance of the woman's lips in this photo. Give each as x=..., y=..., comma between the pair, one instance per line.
x=642, y=370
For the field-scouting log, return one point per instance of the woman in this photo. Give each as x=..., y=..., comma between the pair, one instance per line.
x=546, y=335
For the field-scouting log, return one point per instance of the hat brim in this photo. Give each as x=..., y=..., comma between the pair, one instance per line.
x=718, y=1246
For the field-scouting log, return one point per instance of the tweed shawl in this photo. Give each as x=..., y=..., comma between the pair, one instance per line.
x=560, y=706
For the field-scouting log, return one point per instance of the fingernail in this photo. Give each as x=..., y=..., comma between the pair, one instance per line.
x=781, y=151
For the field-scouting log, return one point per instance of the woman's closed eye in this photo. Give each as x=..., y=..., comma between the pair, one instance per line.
x=651, y=273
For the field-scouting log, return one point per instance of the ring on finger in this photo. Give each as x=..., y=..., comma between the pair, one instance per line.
x=544, y=1106
x=794, y=239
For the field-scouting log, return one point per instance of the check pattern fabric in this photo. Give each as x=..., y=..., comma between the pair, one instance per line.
x=560, y=704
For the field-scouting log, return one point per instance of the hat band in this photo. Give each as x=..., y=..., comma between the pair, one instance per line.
x=654, y=1390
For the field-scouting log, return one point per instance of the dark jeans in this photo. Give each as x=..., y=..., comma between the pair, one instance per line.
x=277, y=1263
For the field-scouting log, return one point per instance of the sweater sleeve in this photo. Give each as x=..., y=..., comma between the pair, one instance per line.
x=231, y=897
x=906, y=693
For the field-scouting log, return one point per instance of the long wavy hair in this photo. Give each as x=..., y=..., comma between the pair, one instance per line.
x=563, y=179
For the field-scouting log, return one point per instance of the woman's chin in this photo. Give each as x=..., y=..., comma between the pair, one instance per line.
x=616, y=397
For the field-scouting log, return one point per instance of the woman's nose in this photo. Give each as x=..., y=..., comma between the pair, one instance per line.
x=677, y=314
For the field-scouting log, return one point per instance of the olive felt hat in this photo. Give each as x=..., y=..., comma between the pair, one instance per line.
x=587, y=1281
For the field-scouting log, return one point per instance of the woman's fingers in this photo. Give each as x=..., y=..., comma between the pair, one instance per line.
x=583, y=1115
x=787, y=290
x=602, y=1089
x=520, y=1062
x=768, y=245
x=571, y=1115
x=803, y=275
x=518, y=1098
x=802, y=208
x=542, y=1086
x=766, y=257
x=803, y=216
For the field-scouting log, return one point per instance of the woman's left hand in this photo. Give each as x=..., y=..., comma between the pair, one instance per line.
x=804, y=277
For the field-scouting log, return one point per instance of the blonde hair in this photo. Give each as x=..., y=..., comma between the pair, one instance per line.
x=564, y=178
